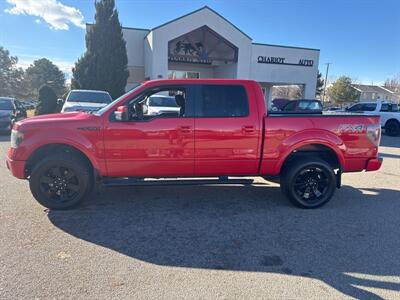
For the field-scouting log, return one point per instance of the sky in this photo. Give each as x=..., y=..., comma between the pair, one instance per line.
x=361, y=38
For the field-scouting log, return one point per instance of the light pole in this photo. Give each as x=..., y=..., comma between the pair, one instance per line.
x=326, y=78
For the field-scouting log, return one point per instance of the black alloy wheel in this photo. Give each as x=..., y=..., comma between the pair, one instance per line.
x=61, y=181
x=309, y=183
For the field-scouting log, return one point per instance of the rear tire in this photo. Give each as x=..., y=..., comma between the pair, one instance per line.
x=308, y=183
x=392, y=128
x=61, y=181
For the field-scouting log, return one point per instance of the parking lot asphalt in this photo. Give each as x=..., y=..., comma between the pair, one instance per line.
x=205, y=241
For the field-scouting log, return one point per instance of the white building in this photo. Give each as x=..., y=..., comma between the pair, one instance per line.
x=374, y=92
x=203, y=44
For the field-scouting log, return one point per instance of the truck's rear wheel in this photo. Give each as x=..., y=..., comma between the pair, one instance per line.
x=309, y=183
x=61, y=181
x=392, y=128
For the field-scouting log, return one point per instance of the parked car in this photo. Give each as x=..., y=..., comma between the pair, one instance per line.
x=85, y=100
x=223, y=129
x=10, y=111
x=389, y=113
x=159, y=104
x=303, y=106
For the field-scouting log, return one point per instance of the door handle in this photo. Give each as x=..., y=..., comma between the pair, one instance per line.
x=186, y=129
x=248, y=129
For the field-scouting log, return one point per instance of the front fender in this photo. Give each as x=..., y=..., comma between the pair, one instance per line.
x=89, y=143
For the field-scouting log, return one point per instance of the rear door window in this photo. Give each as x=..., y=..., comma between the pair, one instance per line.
x=221, y=101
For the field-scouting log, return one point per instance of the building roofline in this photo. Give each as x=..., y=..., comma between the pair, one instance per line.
x=195, y=11
x=382, y=87
x=283, y=46
x=135, y=28
x=124, y=27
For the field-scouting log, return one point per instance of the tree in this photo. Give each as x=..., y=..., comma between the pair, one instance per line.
x=342, y=91
x=47, y=103
x=44, y=72
x=393, y=84
x=320, y=84
x=104, y=64
x=11, y=77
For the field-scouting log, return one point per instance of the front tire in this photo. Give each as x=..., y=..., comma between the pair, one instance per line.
x=61, y=181
x=309, y=183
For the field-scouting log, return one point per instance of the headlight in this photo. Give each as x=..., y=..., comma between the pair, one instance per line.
x=16, y=138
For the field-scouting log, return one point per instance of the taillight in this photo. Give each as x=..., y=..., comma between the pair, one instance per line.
x=374, y=133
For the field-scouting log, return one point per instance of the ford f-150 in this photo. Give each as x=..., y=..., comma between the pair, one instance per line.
x=222, y=130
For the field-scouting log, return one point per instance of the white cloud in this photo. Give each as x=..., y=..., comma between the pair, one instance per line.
x=53, y=12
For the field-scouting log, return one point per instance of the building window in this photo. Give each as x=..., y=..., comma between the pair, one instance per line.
x=174, y=74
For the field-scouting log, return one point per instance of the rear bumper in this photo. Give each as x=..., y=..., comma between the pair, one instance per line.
x=17, y=167
x=374, y=164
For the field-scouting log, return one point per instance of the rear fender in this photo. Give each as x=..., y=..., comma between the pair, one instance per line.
x=308, y=137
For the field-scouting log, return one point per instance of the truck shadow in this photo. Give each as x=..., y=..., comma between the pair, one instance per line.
x=345, y=244
x=390, y=141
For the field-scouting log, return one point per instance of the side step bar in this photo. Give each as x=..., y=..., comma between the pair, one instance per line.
x=127, y=181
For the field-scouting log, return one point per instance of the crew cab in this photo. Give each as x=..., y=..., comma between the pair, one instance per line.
x=389, y=113
x=222, y=130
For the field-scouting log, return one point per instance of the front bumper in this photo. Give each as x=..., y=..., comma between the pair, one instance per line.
x=374, y=164
x=17, y=167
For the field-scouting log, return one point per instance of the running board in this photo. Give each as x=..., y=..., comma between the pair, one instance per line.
x=126, y=181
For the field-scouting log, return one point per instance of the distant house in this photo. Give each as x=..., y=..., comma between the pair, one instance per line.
x=374, y=92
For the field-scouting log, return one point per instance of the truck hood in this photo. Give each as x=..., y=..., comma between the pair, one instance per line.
x=54, y=120
x=84, y=106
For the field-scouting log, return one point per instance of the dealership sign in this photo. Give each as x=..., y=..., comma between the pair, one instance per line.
x=282, y=61
x=186, y=52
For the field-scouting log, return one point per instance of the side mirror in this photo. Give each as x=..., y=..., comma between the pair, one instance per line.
x=60, y=101
x=121, y=114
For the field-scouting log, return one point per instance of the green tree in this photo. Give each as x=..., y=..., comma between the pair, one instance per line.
x=11, y=77
x=342, y=91
x=320, y=84
x=47, y=103
x=44, y=72
x=104, y=64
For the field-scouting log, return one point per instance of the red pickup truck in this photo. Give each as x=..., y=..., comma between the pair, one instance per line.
x=222, y=130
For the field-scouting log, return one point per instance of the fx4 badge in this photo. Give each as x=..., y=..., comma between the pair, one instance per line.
x=351, y=128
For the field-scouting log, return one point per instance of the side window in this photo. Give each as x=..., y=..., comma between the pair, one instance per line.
x=385, y=107
x=290, y=106
x=368, y=107
x=160, y=102
x=356, y=107
x=222, y=101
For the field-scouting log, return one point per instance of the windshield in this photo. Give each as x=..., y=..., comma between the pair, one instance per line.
x=88, y=96
x=105, y=108
x=162, y=101
x=6, y=104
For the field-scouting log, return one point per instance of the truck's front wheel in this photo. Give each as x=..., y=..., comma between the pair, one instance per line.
x=309, y=183
x=61, y=181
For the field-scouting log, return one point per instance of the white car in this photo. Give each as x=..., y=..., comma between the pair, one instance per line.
x=389, y=113
x=85, y=100
x=158, y=104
